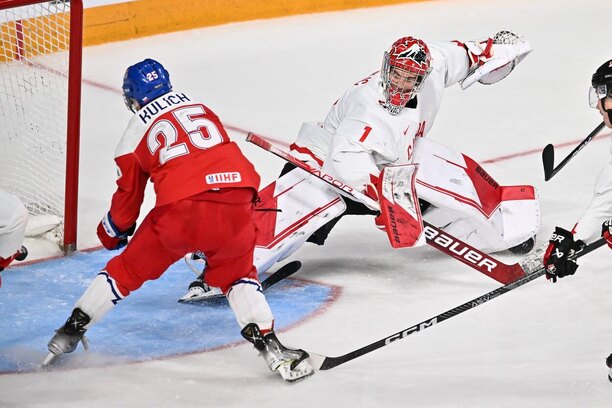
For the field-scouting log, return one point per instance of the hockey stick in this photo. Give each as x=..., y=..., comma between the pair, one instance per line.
x=435, y=237
x=321, y=362
x=548, y=154
x=283, y=272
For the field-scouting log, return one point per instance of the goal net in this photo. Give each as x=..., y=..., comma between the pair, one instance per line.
x=40, y=75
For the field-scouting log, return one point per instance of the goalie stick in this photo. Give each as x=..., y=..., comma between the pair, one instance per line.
x=321, y=362
x=435, y=237
x=548, y=154
x=283, y=272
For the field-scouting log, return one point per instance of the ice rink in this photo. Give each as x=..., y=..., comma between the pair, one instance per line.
x=542, y=345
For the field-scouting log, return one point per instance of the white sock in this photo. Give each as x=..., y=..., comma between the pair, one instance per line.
x=100, y=297
x=249, y=304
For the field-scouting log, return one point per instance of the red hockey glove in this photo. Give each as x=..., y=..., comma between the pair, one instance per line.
x=556, y=260
x=110, y=236
x=372, y=190
x=606, y=231
x=20, y=255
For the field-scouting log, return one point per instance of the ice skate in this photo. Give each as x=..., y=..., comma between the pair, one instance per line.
x=67, y=337
x=198, y=290
x=291, y=364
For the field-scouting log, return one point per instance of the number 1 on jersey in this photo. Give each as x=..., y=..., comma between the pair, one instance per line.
x=366, y=132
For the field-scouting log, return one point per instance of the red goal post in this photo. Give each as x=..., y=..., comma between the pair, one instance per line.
x=40, y=103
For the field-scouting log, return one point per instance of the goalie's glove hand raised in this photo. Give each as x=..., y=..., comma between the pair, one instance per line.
x=606, y=231
x=557, y=258
x=493, y=59
x=110, y=236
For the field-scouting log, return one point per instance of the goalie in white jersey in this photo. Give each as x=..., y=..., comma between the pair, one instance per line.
x=382, y=120
x=378, y=126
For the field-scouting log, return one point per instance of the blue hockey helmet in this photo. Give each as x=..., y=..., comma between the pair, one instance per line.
x=144, y=82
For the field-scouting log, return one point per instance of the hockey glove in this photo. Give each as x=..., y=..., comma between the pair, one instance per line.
x=110, y=236
x=372, y=190
x=606, y=231
x=493, y=59
x=556, y=261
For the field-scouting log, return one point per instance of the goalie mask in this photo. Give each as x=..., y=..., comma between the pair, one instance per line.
x=405, y=67
x=144, y=82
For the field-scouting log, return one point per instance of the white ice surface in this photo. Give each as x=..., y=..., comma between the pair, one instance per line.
x=542, y=345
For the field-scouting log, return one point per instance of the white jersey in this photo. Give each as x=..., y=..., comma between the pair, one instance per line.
x=588, y=228
x=361, y=137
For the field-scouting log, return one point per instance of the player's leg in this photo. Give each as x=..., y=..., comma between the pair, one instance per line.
x=230, y=267
x=144, y=258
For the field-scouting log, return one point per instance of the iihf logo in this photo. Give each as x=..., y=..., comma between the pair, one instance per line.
x=219, y=178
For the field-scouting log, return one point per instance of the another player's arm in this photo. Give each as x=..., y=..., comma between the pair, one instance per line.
x=588, y=228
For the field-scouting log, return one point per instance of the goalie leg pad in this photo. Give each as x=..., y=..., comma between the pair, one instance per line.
x=469, y=204
x=290, y=210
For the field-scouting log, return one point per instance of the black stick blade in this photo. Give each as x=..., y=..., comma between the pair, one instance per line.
x=548, y=160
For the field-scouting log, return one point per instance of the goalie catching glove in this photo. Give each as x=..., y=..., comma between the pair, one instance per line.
x=560, y=247
x=110, y=236
x=493, y=59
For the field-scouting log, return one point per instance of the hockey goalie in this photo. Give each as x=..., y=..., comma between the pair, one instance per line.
x=373, y=141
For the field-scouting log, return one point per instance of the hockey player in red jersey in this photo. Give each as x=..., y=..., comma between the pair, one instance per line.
x=205, y=190
x=13, y=220
x=596, y=221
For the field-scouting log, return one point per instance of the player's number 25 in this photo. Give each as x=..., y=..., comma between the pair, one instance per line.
x=203, y=133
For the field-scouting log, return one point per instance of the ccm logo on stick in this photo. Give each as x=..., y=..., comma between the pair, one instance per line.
x=411, y=330
x=460, y=250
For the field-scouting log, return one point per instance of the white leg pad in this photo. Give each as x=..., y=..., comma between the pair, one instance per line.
x=303, y=203
x=470, y=204
x=99, y=298
x=249, y=304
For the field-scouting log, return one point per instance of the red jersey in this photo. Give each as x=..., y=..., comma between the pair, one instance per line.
x=183, y=148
